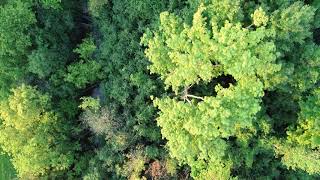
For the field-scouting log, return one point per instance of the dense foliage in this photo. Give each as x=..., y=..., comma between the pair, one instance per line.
x=160, y=89
x=261, y=49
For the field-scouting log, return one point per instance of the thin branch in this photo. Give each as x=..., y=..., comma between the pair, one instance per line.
x=188, y=100
x=248, y=27
x=186, y=89
x=185, y=95
x=196, y=97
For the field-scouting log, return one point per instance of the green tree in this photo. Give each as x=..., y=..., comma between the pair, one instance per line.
x=307, y=132
x=34, y=135
x=299, y=157
x=16, y=18
x=301, y=151
x=87, y=71
x=95, y=6
x=222, y=133
x=52, y=46
x=51, y=3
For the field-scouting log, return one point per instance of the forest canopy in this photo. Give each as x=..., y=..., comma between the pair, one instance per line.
x=160, y=89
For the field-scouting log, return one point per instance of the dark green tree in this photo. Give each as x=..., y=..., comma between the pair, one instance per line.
x=16, y=18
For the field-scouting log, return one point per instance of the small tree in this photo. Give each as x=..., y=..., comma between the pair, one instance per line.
x=87, y=70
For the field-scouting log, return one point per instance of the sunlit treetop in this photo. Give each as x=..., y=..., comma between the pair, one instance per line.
x=218, y=42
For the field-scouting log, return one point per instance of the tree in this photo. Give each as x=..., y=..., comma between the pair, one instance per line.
x=215, y=89
x=51, y=3
x=16, y=18
x=52, y=44
x=299, y=157
x=87, y=71
x=301, y=151
x=127, y=85
x=35, y=136
x=307, y=132
x=95, y=6
x=222, y=133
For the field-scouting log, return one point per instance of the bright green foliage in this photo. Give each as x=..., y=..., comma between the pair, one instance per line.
x=84, y=73
x=87, y=71
x=222, y=133
x=308, y=130
x=36, y=42
x=195, y=134
x=307, y=68
x=33, y=134
x=292, y=24
x=219, y=116
x=260, y=18
x=186, y=56
x=89, y=103
x=299, y=157
x=220, y=11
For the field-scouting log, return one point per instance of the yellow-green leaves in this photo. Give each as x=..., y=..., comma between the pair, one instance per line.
x=89, y=103
x=25, y=108
x=307, y=68
x=259, y=17
x=33, y=134
x=83, y=73
x=192, y=53
x=308, y=130
x=225, y=10
x=194, y=129
x=246, y=53
x=298, y=157
x=184, y=55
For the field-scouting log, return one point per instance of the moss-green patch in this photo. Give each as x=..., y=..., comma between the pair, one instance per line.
x=7, y=172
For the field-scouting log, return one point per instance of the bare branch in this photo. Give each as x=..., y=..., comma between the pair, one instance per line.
x=196, y=97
